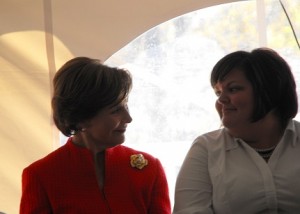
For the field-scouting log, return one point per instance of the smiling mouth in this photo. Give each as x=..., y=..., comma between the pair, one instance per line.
x=121, y=130
x=228, y=110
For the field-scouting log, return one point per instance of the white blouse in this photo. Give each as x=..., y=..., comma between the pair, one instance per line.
x=224, y=175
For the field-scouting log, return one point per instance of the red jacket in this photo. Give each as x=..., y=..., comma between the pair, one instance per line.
x=65, y=182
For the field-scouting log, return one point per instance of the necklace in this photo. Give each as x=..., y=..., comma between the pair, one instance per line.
x=265, y=150
x=265, y=153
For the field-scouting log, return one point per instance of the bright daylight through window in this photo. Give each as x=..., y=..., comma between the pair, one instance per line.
x=172, y=102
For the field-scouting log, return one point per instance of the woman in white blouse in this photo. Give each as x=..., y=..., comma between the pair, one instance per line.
x=252, y=164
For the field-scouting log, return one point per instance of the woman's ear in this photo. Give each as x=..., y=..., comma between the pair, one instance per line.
x=82, y=126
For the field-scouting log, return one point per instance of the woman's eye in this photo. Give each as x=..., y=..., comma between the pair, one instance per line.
x=234, y=89
x=120, y=108
x=116, y=109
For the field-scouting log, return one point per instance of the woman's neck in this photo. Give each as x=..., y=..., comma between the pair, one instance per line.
x=263, y=134
x=81, y=140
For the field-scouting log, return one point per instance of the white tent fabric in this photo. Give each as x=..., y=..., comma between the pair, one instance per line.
x=36, y=38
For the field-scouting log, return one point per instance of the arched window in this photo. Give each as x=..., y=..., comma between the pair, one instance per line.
x=172, y=102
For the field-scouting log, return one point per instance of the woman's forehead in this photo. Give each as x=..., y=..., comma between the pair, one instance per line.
x=233, y=74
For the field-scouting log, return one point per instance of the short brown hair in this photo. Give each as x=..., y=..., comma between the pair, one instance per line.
x=271, y=78
x=82, y=87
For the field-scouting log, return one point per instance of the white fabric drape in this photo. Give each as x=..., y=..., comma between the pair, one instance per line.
x=36, y=38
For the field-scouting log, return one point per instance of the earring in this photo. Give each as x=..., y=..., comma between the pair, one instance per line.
x=73, y=132
x=83, y=129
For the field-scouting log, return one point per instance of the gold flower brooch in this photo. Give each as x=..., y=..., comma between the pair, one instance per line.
x=138, y=161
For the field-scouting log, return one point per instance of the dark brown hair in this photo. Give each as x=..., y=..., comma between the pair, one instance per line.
x=271, y=78
x=82, y=87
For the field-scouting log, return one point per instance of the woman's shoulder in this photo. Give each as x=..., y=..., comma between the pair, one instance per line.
x=295, y=123
x=214, y=141
x=52, y=160
x=212, y=136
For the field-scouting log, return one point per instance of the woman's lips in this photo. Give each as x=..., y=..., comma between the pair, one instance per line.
x=224, y=110
x=120, y=130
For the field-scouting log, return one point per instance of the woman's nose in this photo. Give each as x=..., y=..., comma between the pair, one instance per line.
x=127, y=116
x=223, y=98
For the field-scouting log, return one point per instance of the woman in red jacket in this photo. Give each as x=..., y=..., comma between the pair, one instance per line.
x=93, y=172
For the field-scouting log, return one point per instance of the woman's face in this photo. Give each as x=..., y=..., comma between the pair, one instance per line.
x=107, y=128
x=235, y=102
